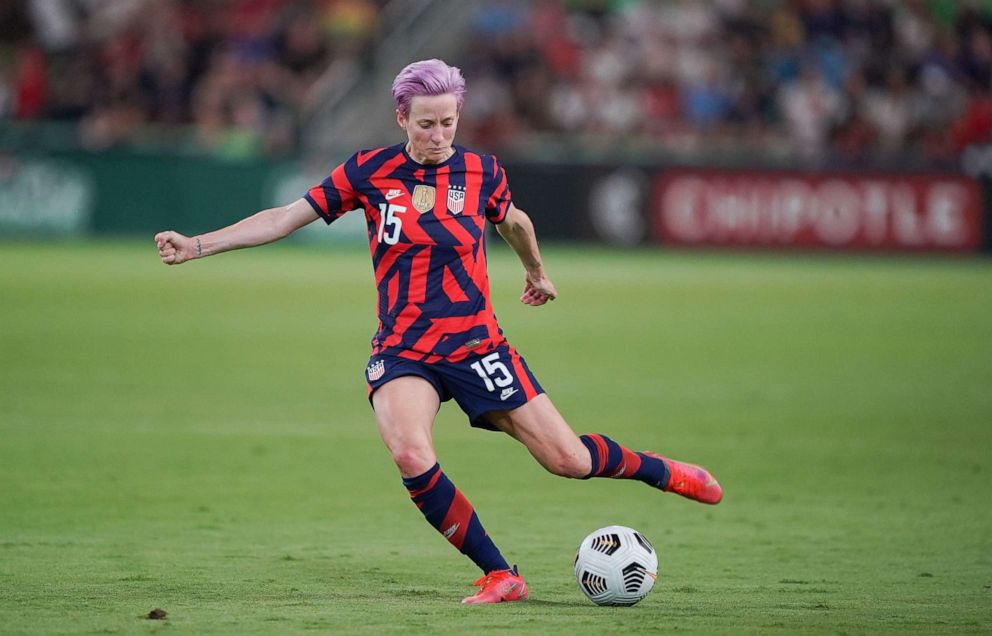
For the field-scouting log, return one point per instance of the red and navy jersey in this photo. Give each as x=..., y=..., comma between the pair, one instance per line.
x=426, y=229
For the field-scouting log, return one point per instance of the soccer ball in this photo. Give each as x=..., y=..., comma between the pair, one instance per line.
x=616, y=565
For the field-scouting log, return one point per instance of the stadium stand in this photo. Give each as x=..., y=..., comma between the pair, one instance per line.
x=851, y=82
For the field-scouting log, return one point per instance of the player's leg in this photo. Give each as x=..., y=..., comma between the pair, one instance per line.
x=405, y=408
x=541, y=428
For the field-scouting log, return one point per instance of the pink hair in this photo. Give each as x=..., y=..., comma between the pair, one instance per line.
x=427, y=77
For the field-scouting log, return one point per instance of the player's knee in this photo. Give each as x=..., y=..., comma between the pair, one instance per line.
x=413, y=460
x=571, y=466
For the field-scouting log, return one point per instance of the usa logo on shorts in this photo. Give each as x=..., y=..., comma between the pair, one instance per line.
x=376, y=370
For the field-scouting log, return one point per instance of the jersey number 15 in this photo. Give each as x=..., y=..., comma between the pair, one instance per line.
x=390, y=224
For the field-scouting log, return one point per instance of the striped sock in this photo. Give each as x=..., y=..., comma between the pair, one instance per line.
x=612, y=460
x=447, y=509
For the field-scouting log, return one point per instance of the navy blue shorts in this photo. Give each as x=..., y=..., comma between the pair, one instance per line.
x=493, y=381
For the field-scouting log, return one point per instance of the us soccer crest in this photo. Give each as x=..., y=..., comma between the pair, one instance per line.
x=423, y=198
x=456, y=199
x=375, y=370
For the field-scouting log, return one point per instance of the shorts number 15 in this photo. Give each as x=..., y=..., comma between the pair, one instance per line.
x=493, y=372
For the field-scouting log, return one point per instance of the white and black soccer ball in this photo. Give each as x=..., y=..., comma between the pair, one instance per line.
x=616, y=565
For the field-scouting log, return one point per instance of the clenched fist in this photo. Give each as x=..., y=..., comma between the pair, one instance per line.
x=175, y=248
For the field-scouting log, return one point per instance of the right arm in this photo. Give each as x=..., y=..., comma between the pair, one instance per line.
x=518, y=231
x=260, y=228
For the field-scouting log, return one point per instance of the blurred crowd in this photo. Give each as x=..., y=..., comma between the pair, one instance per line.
x=853, y=81
x=235, y=77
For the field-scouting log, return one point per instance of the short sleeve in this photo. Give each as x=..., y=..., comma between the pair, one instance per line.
x=333, y=196
x=498, y=202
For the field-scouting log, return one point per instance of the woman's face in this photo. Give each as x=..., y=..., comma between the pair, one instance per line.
x=430, y=127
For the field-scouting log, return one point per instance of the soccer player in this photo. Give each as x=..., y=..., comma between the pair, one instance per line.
x=426, y=203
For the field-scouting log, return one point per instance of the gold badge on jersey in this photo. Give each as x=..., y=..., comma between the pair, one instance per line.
x=423, y=198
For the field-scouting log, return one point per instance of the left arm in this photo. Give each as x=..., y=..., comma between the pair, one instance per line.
x=518, y=231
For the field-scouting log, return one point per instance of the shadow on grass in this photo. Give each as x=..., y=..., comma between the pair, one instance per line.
x=578, y=604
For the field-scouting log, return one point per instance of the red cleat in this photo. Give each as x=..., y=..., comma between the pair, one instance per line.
x=499, y=586
x=691, y=481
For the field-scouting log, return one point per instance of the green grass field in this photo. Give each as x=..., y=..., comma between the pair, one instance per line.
x=197, y=439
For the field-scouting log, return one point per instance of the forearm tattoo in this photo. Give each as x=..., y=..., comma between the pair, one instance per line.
x=199, y=248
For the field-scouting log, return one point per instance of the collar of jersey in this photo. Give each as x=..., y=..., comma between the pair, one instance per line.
x=428, y=166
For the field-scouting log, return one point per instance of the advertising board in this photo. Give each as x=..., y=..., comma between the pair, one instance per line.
x=750, y=208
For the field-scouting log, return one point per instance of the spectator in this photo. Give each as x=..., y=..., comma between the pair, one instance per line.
x=811, y=107
x=835, y=79
x=238, y=73
x=696, y=74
